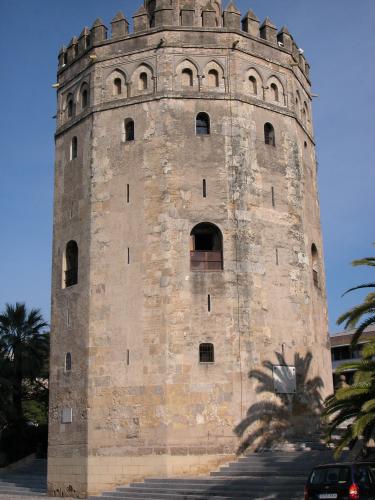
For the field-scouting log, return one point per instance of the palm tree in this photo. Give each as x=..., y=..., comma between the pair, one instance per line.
x=352, y=408
x=362, y=316
x=24, y=347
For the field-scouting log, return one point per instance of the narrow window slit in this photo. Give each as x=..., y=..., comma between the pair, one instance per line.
x=273, y=196
x=68, y=362
x=128, y=255
x=209, y=302
x=204, y=188
x=74, y=148
x=127, y=193
x=277, y=256
x=128, y=357
x=71, y=264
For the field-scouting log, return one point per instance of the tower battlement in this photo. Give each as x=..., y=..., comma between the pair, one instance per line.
x=196, y=15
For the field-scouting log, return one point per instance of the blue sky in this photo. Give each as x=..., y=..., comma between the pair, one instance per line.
x=338, y=37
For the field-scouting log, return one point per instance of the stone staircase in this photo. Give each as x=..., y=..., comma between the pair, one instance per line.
x=268, y=475
x=276, y=475
x=27, y=480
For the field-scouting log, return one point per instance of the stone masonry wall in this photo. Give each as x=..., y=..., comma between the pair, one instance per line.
x=142, y=402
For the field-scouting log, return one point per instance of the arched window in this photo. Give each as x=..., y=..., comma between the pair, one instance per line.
x=202, y=124
x=315, y=264
x=129, y=130
x=143, y=81
x=253, y=85
x=206, y=248
x=84, y=98
x=71, y=264
x=187, y=77
x=274, y=92
x=213, y=78
x=74, y=148
x=269, y=134
x=206, y=353
x=70, y=106
x=68, y=362
x=117, y=86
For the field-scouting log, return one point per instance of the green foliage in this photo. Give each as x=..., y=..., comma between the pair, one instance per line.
x=35, y=412
x=352, y=408
x=24, y=355
x=361, y=316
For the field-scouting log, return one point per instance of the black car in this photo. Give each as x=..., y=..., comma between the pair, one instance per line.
x=344, y=481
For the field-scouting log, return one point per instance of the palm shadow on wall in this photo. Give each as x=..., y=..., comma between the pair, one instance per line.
x=282, y=418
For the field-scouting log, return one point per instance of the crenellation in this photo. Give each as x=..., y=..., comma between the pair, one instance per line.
x=232, y=17
x=98, y=31
x=72, y=50
x=120, y=26
x=251, y=24
x=268, y=31
x=307, y=70
x=187, y=15
x=295, y=51
x=84, y=40
x=62, y=57
x=164, y=13
x=209, y=19
x=302, y=62
x=285, y=39
x=141, y=20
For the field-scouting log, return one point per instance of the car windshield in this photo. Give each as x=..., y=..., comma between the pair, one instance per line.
x=330, y=475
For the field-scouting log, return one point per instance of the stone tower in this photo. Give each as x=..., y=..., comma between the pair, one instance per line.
x=187, y=244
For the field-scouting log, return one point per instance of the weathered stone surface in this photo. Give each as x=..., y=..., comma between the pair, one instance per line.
x=142, y=402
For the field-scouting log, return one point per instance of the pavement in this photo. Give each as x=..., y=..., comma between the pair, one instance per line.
x=27, y=497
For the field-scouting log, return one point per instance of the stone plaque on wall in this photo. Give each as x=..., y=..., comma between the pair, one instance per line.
x=284, y=379
x=67, y=416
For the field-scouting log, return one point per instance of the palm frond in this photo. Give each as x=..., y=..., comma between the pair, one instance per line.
x=368, y=406
x=344, y=442
x=368, y=350
x=359, y=287
x=362, y=327
x=366, y=261
x=362, y=423
x=351, y=317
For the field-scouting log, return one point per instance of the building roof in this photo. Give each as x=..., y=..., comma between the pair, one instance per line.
x=345, y=338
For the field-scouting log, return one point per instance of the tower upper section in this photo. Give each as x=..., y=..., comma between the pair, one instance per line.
x=174, y=40
x=185, y=16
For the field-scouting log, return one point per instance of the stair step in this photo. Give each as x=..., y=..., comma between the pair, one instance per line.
x=246, y=483
x=235, y=493
x=232, y=473
x=8, y=486
x=213, y=485
x=16, y=492
x=259, y=496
